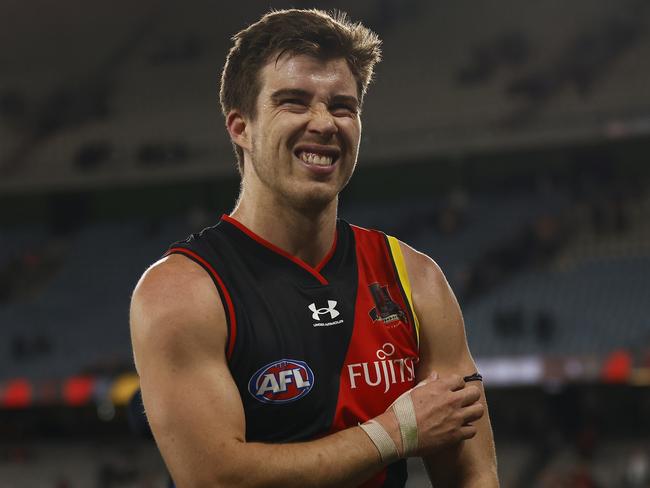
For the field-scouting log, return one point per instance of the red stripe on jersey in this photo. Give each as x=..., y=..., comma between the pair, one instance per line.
x=314, y=271
x=382, y=354
x=232, y=330
x=319, y=267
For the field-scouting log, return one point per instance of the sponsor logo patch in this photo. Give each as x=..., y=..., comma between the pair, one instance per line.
x=383, y=373
x=283, y=381
x=330, y=311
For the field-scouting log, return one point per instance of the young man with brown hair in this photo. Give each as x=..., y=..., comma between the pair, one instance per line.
x=282, y=347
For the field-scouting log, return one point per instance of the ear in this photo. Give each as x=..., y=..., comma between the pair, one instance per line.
x=237, y=126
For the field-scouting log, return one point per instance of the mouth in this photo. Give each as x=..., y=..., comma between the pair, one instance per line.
x=317, y=156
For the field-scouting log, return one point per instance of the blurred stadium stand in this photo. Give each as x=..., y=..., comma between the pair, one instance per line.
x=545, y=73
x=557, y=289
x=508, y=141
x=77, y=464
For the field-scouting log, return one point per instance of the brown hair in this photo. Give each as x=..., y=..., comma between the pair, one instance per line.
x=314, y=32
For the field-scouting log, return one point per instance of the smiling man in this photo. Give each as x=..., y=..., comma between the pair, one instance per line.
x=282, y=346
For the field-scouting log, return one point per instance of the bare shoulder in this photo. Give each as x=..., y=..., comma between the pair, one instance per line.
x=175, y=283
x=427, y=279
x=443, y=344
x=175, y=308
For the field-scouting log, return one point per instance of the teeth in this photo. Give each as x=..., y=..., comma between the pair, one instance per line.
x=316, y=159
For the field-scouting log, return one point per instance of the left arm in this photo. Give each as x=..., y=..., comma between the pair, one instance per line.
x=443, y=348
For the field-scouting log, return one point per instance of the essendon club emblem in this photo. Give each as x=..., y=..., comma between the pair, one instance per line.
x=385, y=309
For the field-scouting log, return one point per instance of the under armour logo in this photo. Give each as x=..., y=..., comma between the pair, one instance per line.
x=322, y=311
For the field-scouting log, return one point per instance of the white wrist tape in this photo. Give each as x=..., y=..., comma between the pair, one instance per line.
x=382, y=440
x=408, y=426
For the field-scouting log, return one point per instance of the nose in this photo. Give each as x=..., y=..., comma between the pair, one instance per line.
x=322, y=122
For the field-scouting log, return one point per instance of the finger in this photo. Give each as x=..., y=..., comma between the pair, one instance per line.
x=469, y=395
x=465, y=397
x=467, y=432
x=472, y=413
x=454, y=382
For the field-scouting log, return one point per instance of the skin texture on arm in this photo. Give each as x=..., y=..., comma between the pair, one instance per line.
x=178, y=331
x=443, y=349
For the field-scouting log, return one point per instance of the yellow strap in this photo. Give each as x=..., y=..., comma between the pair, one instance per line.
x=398, y=258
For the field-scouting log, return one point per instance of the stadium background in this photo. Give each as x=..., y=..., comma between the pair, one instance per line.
x=506, y=139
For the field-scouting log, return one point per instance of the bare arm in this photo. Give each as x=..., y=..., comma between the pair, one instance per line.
x=443, y=349
x=178, y=330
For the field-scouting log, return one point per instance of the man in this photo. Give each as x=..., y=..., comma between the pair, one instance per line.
x=263, y=342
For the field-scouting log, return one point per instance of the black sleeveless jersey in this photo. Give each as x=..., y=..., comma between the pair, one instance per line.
x=313, y=350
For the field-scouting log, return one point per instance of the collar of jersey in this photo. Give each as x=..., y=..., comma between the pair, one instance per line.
x=313, y=270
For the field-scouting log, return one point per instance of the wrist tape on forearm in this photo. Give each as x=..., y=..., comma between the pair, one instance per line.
x=408, y=427
x=382, y=440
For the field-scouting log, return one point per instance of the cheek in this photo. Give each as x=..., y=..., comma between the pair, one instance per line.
x=285, y=130
x=352, y=131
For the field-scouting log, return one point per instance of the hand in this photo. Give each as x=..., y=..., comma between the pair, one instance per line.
x=444, y=410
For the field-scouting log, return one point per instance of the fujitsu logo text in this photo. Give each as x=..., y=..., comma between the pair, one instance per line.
x=385, y=372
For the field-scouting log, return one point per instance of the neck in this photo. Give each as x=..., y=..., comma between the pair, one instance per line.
x=304, y=233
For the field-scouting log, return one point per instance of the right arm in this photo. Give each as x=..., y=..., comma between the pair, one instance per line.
x=178, y=330
x=179, y=333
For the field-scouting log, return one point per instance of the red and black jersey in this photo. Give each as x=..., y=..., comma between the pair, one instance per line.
x=313, y=350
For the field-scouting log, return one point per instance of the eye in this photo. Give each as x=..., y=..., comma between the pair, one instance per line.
x=343, y=109
x=292, y=105
x=292, y=101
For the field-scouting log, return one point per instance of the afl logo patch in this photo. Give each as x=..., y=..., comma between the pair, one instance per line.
x=283, y=381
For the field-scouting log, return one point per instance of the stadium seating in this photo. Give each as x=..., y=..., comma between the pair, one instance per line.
x=129, y=100
x=580, y=302
x=125, y=464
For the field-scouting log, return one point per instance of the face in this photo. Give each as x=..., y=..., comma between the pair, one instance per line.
x=304, y=141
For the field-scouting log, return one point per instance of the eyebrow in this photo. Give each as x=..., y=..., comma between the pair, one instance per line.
x=346, y=99
x=289, y=92
x=299, y=93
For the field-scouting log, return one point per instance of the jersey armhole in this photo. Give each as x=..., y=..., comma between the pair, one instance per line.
x=223, y=293
x=403, y=278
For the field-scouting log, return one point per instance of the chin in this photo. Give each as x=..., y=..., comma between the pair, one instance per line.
x=314, y=199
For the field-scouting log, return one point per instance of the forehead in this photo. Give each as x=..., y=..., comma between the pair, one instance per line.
x=308, y=73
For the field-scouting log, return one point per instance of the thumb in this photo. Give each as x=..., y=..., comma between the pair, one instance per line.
x=432, y=377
